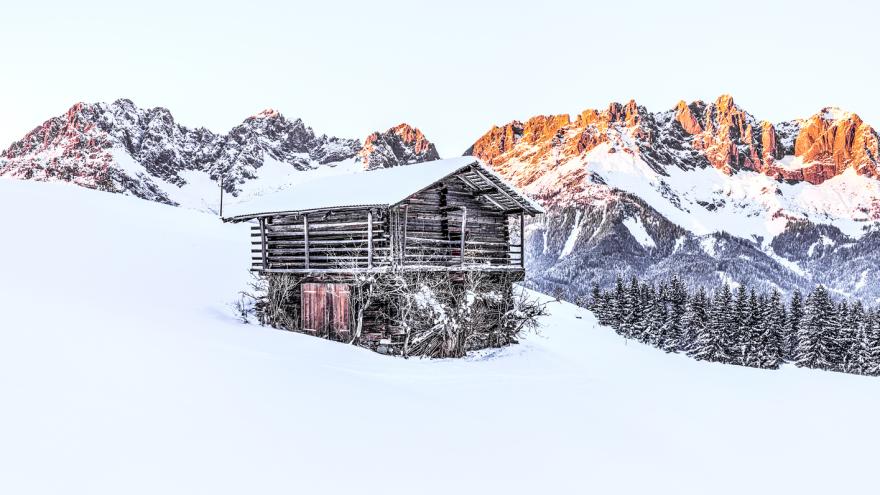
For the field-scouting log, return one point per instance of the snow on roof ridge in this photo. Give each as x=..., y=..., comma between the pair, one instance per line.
x=383, y=187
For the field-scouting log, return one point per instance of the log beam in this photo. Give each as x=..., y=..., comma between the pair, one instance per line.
x=263, y=246
x=306, y=239
x=463, y=231
x=522, y=240
x=370, y=239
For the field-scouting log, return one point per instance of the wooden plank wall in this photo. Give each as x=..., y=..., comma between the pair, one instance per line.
x=428, y=229
x=338, y=239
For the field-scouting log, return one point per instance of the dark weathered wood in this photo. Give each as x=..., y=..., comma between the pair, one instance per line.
x=370, y=239
x=463, y=231
x=306, y=239
x=263, y=242
x=422, y=230
x=522, y=239
x=405, y=222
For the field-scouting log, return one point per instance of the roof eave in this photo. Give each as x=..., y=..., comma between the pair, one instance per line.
x=254, y=216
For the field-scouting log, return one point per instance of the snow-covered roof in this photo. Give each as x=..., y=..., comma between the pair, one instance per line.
x=384, y=187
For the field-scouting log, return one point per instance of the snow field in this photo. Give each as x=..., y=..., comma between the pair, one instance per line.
x=123, y=370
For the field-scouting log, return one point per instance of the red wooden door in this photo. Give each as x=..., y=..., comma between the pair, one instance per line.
x=340, y=307
x=313, y=304
x=326, y=310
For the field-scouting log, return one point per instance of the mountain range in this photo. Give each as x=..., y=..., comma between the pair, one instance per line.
x=122, y=148
x=703, y=190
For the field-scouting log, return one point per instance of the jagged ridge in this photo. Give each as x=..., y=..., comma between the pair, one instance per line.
x=695, y=135
x=120, y=147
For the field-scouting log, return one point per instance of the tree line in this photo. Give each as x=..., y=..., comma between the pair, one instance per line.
x=741, y=326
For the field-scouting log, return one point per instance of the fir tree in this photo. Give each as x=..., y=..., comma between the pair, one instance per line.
x=715, y=343
x=751, y=330
x=795, y=314
x=654, y=316
x=595, y=298
x=739, y=327
x=615, y=316
x=631, y=309
x=817, y=334
x=672, y=330
x=695, y=321
x=766, y=335
x=598, y=305
x=855, y=341
x=872, y=336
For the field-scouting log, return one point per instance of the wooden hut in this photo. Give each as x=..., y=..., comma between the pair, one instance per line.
x=452, y=218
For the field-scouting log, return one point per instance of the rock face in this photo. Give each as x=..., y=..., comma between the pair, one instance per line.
x=695, y=135
x=703, y=190
x=401, y=144
x=119, y=147
x=832, y=141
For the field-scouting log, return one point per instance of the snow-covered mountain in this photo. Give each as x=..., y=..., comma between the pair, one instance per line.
x=120, y=147
x=705, y=190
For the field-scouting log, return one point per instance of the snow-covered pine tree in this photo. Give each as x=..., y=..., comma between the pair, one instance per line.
x=640, y=297
x=597, y=305
x=854, y=340
x=739, y=328
x=615, y=314
x=595, y=297
x=672, y=329
x=607, y=307
x=715, y=342
x=631, y=312
x=766, y=337
x=873, y=342
x=750, y=329
x=817, y=335
x=795, y=314
x=653, y=312
x=695, y=321
x=845, y=340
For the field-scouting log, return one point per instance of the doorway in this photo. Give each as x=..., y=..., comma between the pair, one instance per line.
x=326, y=310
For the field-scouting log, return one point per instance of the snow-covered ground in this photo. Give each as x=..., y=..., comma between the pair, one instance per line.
x=123, y=370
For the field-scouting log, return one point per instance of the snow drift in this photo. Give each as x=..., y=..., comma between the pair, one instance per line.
x=124, y=370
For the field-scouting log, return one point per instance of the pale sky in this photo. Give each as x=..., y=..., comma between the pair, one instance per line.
x=451, y=68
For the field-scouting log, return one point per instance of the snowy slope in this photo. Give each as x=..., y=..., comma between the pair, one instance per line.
x=747, y=204
x=122, y=370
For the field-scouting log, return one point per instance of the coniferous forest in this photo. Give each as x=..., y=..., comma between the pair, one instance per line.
x=743, y=327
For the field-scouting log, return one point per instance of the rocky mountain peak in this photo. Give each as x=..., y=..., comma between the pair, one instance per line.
x=832, y=141
x=268, y=113
x=628, y=114
x=401, y=144
x=120, y=147
x=685, y=116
